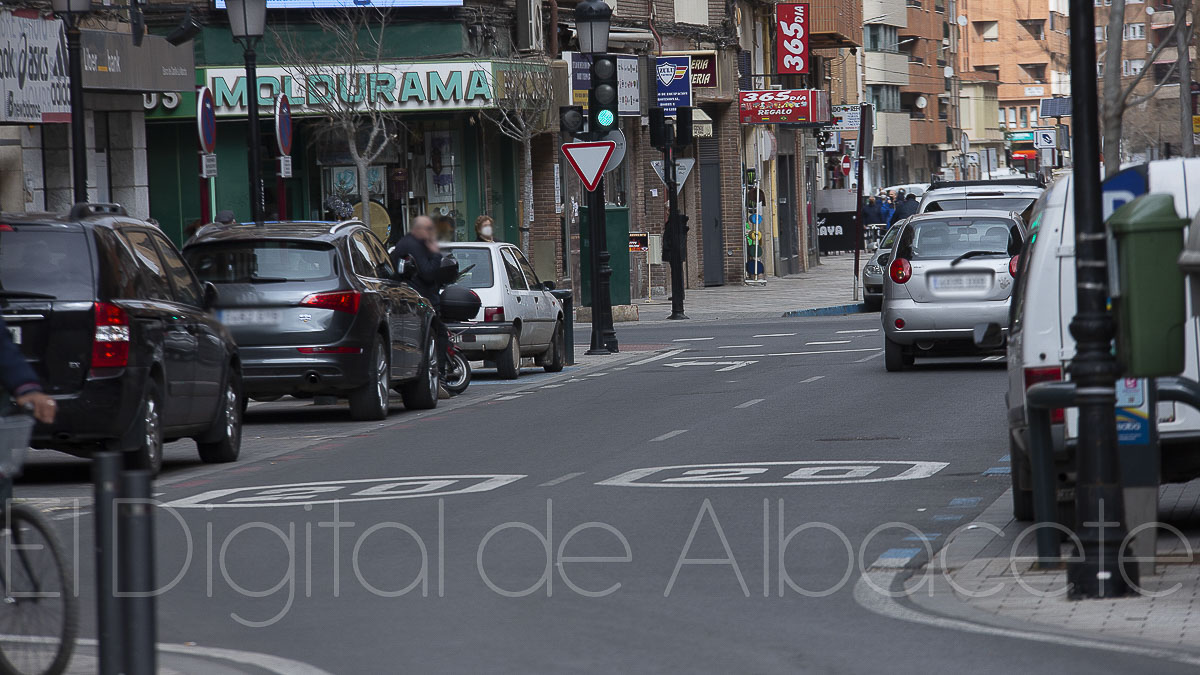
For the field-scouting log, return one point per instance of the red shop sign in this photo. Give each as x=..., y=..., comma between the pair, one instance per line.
x=783, y=106
x=791, y=43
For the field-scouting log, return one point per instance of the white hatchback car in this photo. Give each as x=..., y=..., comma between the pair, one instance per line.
x=519, y=316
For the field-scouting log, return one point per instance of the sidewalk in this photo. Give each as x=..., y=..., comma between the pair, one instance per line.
x=828, y=284
x=994, y=584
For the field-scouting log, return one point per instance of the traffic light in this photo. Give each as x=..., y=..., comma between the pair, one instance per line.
x=602, y=97
x=570, y=120
x=683, y=226
x=658, y=129
x=683, y=126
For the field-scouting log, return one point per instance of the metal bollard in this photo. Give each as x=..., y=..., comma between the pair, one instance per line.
x=567, y=299
x=135, y=564
x=1040, y=399
x=106, y=474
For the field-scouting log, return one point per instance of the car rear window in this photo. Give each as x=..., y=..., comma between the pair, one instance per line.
x=1018, y=204
x=952, y=237
x=262, y=261
x=44, y=263
x=474, y=266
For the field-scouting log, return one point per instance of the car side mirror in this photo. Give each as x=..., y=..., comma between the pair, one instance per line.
x=210, y=295
x=549, y=285
x=405, y=270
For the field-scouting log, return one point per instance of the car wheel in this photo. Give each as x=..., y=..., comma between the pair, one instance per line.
x=509, y=362
x=873, y=304
x=148, y=454
x=1021, y=489
x=556, y=355
x=370, y=401
x=894, y=358
x=422, y=393
x=223, y=442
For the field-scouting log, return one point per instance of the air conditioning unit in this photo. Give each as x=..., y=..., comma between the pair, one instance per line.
x=530, y=34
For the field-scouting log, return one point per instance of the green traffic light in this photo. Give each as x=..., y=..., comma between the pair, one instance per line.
x=605, y=118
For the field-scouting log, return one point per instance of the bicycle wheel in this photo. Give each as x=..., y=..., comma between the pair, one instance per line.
x=39, y=614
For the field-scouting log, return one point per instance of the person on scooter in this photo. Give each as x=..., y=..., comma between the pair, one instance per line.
x=420, y=247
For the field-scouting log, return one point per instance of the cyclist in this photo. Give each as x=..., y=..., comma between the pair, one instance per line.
x=20, y=380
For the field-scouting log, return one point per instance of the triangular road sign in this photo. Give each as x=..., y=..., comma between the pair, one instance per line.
x=683, y=169
x=589, y=160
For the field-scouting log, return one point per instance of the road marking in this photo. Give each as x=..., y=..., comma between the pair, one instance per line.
x=551, y=386
x=267, y=662
x=621, y=368
x=738, y=346
x=664, y=355
x=868, y=358
x=669, y=434
x=814, y=378
x=993, y=358
x=895, y=557
x=507, y=398
x=998, y=471
x=964, y=502
x=828, y=342
x=692, y=339
x=1005, y=458
x=561, y=479
x=774, y=335
x=747, y=404
x=928, y=536
x=734, y=365
x=341, y=491
x=776, y=474
x=827, y=351
x=597, y=375
x=948, y=518
x=864, y=330
x=728, y=365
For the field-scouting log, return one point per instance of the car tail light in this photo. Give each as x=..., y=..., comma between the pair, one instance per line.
x=900, y=270
x=900, y=323
x=493, y=314
x=1012, y=265
x=1037, y=375
x=339, y=301
x=329, y=350
x=110, y=342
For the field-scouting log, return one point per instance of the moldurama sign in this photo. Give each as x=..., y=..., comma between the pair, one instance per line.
x=33, y=71
x=402, y=87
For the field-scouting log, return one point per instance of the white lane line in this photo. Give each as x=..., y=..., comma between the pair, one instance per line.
x=656, y=357
x=669, y=434
x=828, y=342
x=735, y=365
x=747, y=404
x=827, y=351
x=597, y=375
x=692, y=339
x=865, y=330
x=507, y=398
x=551, y=386
x=738, y=346
x=621, y=368
x=561, y=479
x=868, y=358
x=814, y=378
x=774, y=335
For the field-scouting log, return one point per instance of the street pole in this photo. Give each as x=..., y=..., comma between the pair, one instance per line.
x=676, y=234
x=78, y=120
x=1183, y=38
x=1095, y=571
x=604, y=338
x=858, y=216
x=256, y=198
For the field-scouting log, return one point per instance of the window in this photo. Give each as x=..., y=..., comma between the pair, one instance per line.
x=880, y=38
x=1035, y=27
x=988, y=31
x=187, y=290
x=1100, y=69
x=1035, y=71
x=1002, y=118
x=516, y=280
x=527, y=269
x=1012, y=118
x=474, y=266
x=380, y=257
x=269, y=261
x=885, y=97
x=360, y=256
x=951, y=238
x=1024, y=117
x=43, y=260
x=155, y=283
x=1033, y=116
x=1101, y=33
x=1135, y=31
x=1132, y=66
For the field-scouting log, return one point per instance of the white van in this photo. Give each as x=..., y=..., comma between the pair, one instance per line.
x=1040, y=345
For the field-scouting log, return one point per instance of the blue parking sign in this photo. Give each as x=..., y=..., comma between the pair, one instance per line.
x=673, y=82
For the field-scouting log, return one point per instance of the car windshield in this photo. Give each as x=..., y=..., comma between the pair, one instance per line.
x=38, y=263
x=474, y=266
x=1018, y=204
x=263, y=261
x=951, y=238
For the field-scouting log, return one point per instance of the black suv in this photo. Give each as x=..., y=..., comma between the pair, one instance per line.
x=119, y=330
x=319, y=309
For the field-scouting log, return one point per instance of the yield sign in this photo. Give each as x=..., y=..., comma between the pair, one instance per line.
x=589, y=160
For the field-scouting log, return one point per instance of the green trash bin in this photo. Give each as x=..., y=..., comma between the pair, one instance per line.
x=1150, y=309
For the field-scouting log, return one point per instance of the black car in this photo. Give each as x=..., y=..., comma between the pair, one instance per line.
x=119, y=330
x=319, y=309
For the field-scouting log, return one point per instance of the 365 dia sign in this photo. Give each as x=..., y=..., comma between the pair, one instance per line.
x=791, y=42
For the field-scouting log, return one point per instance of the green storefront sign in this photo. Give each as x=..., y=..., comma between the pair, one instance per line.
x=1019, y=137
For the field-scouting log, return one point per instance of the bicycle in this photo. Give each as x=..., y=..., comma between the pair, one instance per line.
x=39, y=614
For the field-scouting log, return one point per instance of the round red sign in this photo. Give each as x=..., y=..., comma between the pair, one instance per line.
x=845, y=165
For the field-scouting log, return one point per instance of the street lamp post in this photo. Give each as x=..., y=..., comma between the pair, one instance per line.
x=73, y=10
x=247, y=21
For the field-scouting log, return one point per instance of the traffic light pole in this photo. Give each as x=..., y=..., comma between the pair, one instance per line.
x=675, y=233
x=604, y=336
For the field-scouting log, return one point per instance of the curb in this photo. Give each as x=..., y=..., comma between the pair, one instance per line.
x=833, y=310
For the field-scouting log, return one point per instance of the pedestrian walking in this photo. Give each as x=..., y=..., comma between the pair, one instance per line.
x=886, y=208
x=905, y=209
x=485, y=228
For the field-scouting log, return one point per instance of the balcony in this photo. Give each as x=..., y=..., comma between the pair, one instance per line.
x=836, y=23
x=888, y=12
x=893, y=130
x=885, y=68
x=927, y=132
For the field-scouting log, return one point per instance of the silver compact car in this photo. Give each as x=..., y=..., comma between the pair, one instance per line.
x=874, y=274
x=948, y=273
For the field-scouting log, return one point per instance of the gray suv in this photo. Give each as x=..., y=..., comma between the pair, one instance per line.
x=319, y=309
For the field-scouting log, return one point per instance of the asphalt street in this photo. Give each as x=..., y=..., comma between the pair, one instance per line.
x=707, y=505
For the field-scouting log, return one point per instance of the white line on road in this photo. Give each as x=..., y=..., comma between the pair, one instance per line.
x=664, y=355
x=865, y=330
x=561, y=479
x=747, y=404
x=735, y=366
x=827, y=351
x=814, y=378
x=669, y=434
x=551, y=386
x=774, y=335
x=597, y=375
x=692, y=339
x=828, y=342
x=868, y=358
x=738, y=346
x=507, y=398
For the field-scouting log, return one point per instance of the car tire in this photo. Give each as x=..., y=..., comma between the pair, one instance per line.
x=556, y=356
x=148, y=453
x=422, y=393
x=894, y=358
x=1022, y=491
x=223, y=442
x=370, y=401
x=873, y=304
x=508, y=365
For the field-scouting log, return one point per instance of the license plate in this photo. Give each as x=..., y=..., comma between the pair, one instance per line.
x=15, y=333
x=250, y=317
x=960, y=282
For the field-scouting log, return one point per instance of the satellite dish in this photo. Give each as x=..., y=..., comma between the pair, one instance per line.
x=948, y=71
x=922, y=102
x=962, y=20
x=1149, y=11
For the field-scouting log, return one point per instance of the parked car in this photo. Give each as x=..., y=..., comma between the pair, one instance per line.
x=520, y=316
x=873, y=273
x=1040, y=345
x=121, y=333
x=319, y=309
x=1008, y=194
x=948, y=273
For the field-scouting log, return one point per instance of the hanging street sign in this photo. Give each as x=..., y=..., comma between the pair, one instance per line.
x=792, y=22
x=589, y=160
x=673, y=82
x=283, y=125
x=784, y=106
x=206, y=120
x=683, y=169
